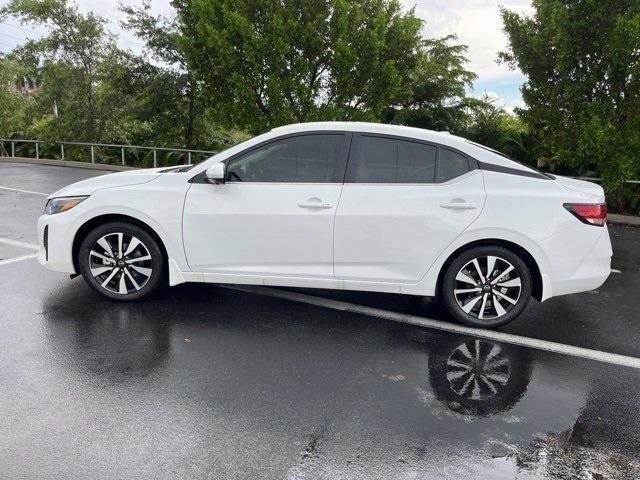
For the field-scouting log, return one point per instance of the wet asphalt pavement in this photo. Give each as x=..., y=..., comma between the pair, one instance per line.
x=206, y=382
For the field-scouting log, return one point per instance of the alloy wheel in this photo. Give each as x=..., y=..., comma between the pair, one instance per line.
x=487, y=287
x=120, y=263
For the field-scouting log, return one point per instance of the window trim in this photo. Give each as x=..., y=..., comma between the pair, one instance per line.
x=533, y=173
x=349, y=177
x=492, y=167
x=343, y=175
x=337, y=177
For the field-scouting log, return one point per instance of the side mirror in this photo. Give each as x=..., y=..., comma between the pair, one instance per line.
x=215, y=173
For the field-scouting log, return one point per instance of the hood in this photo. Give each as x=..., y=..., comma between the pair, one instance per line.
x=587, y=188
x=119, y=179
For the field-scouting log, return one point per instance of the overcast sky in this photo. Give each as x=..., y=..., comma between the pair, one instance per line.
x=476, y=22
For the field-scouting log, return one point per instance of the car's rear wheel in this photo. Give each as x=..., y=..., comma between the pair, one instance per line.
x=486, y=286
x=121, y=261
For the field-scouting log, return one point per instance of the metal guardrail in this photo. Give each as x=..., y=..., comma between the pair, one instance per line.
x=597, y=180
x=189, y=152
x=93, y=146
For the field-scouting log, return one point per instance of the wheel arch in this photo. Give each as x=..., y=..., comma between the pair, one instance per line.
x=536, y=275
x=95, y=222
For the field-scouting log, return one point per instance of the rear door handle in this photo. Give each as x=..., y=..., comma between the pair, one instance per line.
x=314, y=205
x=458, y=205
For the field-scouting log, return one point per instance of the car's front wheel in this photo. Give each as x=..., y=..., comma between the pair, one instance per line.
x=121, y=261
x=486, y=286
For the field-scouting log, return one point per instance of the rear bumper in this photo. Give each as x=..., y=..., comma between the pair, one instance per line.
x=587, y=279
x=590, y=273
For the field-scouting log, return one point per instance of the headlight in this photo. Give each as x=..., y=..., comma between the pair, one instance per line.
x=62, y=204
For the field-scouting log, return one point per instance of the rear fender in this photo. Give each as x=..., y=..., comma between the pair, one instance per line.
x=429, y=284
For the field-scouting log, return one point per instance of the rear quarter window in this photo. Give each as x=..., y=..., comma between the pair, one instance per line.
x=450, y=165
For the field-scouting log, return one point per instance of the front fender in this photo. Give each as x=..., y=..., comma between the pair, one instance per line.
x=159, y=210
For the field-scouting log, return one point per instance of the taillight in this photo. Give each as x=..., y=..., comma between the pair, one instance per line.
x=589, y=213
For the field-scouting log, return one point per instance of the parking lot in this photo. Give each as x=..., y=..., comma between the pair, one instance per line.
x=205, y=381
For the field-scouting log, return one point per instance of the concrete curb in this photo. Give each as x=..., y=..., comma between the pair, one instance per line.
x=623, y=219
x=611, y=218
x=66, y=163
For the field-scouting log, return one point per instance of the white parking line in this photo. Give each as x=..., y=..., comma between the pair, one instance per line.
x=545, y=345
x=19, y=190
x=613, y=270
x=18, y=259
x=16, y=243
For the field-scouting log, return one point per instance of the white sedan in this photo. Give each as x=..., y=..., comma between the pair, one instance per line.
x=352, y=206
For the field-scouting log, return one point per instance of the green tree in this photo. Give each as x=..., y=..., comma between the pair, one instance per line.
x=70, y=56
x=91, y=90
x=174, y=85
x=489, y=124
x=271, y=62
x=13, y=104
x=582, y=60
x=439, y=85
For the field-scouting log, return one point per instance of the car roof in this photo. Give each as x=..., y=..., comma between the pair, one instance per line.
x=366, y=127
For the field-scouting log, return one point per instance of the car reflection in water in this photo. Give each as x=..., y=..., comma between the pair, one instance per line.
x=479, y=377
x=113, y=342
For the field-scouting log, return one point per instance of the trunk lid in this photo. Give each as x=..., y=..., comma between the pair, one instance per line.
x=589, y=189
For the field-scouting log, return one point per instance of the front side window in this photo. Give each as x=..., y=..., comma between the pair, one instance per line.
x=300, y=159
x=387, y=160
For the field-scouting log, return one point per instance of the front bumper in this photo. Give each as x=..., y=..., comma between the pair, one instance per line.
x=56, y=253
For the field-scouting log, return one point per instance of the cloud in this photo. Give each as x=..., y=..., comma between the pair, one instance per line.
x=478, y=25
x=507, y=104
x=110, y=10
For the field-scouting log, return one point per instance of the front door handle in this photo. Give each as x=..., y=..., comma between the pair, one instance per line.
x=314, y=203
x=459, y=205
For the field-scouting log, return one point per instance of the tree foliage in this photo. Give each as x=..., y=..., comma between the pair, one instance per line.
x=13, y=105
x=269, y=62
x=71, y=52
x=438, y=98
x=91, y=90
x=173, y=86
x=219, y=67
x=582, y=62
x=489, y=124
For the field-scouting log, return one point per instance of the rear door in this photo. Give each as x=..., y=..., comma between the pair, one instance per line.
x=402, y=204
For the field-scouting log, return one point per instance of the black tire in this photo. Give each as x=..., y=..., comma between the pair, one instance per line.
x=138, y=281
x=497, y=312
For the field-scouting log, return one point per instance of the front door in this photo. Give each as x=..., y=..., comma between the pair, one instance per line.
x=274, y=214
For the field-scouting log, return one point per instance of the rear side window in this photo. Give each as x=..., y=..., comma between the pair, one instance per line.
x=451, y=165
x=300, y=159
x=416, y=162
x=387, y=160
